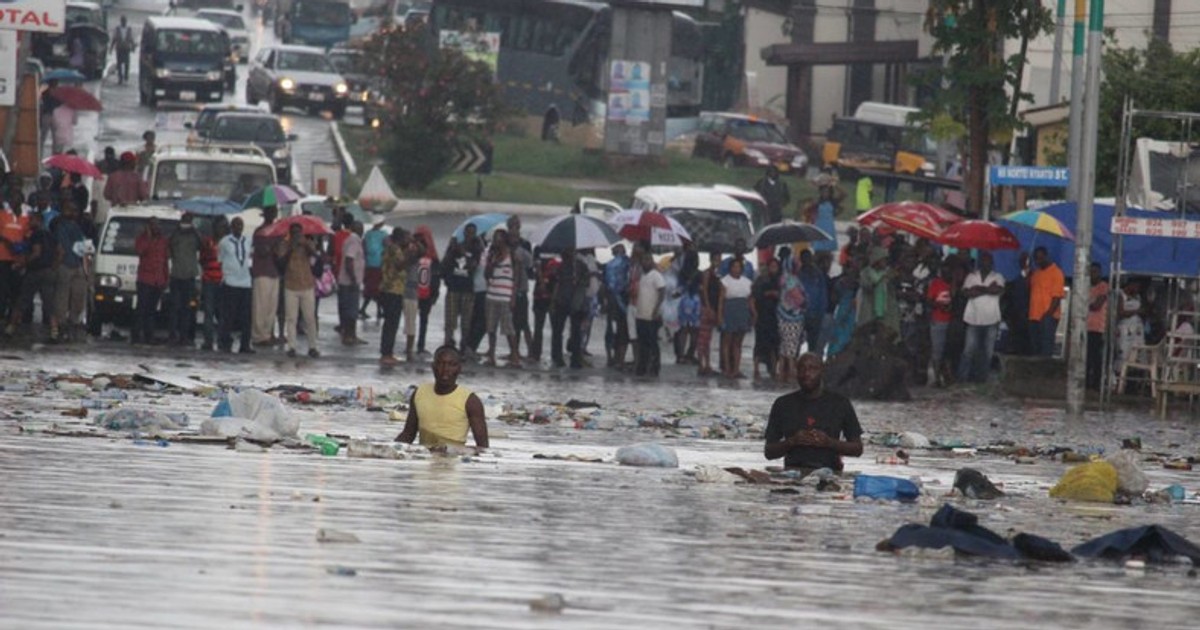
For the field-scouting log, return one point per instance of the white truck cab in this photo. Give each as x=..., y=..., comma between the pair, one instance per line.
x=223, y=171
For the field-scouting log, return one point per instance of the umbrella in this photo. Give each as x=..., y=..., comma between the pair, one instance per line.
x=76, y=98
x=483, y=223
x=1040, y=221
x=271, y=195
x=909, y=217
x=63, y=75
x=789, y=232
x=208, y=206
x=978, y=235
x=939, y=214
x=642, y=225
x=73, y=164
x=310, y=225
x=573, y=230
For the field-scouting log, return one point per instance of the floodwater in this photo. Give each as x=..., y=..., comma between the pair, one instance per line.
x=107, y=533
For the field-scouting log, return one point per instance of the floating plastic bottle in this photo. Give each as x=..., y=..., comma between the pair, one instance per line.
x=329, y=446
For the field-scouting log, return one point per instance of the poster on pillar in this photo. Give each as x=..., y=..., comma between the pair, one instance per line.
x=8, y=68
x=629, y=92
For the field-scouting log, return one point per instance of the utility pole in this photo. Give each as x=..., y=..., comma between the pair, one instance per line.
x=1077, y=370
x=1075, y=122
x=1056, y=66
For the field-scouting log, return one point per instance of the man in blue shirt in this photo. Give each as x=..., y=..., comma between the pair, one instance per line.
x=616, y=286
x=374, y=243
x=816, y=289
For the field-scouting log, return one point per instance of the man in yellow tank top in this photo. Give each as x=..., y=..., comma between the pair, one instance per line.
x=441, y=412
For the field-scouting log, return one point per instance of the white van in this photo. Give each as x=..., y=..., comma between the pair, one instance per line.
x=714, y=219
x=114, y=290
x=224, y=171
x=885, y=113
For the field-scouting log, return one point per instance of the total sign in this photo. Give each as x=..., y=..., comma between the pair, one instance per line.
x=47, y=16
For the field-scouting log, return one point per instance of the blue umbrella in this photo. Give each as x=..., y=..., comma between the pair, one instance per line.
x=63, y=75
x=208, y=206
x=483, y=223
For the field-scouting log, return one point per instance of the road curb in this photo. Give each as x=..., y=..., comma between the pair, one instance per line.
x=343, y=153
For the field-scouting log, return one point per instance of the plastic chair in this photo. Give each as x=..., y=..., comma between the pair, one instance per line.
x=1142, y=357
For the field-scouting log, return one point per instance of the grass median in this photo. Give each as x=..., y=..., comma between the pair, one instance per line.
x=527, y=170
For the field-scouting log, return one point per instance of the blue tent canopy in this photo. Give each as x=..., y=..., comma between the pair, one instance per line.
x=1143, y=255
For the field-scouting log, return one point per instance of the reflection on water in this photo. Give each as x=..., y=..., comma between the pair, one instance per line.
x=102, y=532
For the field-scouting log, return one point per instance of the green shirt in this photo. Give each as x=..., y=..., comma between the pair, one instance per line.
x=394, y=272
x=862, y=194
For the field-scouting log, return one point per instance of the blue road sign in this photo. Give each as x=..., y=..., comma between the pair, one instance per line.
x=1046, y=176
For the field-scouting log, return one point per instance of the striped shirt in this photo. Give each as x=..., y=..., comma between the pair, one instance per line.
x=500, y=286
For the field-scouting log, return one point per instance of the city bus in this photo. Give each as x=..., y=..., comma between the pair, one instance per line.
x=554, y=56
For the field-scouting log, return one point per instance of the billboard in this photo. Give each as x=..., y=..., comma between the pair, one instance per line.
x=47, y=16
x=8, y=68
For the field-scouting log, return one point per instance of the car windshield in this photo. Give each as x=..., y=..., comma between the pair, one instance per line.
x=77, y=15
x=184, y=179
x=303, y=62
x=232, y=22
x=712, y=230
x=751, y=131
x=323, y=12
x=120, y=234
x=247, y=129
x=345, y=62
x=191, y=42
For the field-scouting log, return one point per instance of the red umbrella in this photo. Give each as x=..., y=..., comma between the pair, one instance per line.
x=914, y=218
x=77, y=98
x=978, y=235
x=309, y=225
x=656, y=227
x=73, y=164
x=938, y=214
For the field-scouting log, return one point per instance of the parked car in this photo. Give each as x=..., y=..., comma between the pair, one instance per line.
x=260, y=129
x=235, y=27
x=296, y=76
x=86, y=24
x=740, y=140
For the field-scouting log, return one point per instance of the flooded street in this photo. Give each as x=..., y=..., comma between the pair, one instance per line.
x=113, y=532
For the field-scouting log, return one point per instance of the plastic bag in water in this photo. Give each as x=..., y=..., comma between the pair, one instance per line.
x=647, y=454
x=888, y=488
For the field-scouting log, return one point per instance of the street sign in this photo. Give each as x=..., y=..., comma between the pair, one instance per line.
x=1166, y=228
x=1040, y=176
x=8, y=68
x=470, y=157
x=46, y=16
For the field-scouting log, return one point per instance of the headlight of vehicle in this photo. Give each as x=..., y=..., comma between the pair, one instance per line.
x=162, y=73
x=287, y=84
x=109, y=281
x=365, y=96
x=340, y=88
x=213, y=75
x=280, y=154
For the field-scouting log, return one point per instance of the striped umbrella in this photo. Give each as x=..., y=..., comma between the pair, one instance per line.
x=1040, y=221
x=573, y=231
x=271, y=195
x=642, y=225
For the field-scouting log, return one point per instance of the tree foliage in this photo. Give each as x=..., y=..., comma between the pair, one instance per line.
x=984, y=84
x=1156, y=78
x=433, y=99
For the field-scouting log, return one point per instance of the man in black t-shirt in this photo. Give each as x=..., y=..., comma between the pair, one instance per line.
x=812, y=428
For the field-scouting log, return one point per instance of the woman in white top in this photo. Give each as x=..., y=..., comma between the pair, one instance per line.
x=1129, y=321
x=736, y=316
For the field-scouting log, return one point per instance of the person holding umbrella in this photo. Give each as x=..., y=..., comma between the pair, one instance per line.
x=299, y=287
x=568, y=304
x=651, y=289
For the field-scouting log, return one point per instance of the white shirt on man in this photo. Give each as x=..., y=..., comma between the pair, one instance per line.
x=649, y=286
x=982, y=310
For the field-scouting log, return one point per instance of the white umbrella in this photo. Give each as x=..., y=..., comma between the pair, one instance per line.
x=573, y=230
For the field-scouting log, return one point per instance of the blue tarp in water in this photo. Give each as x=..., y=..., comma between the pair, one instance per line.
x=1144, y=255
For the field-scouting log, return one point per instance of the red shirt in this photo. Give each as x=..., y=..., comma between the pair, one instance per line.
x=338, y=241
x=939, y=298
x=210, y=266
x=153, y=255
x=14, y=229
